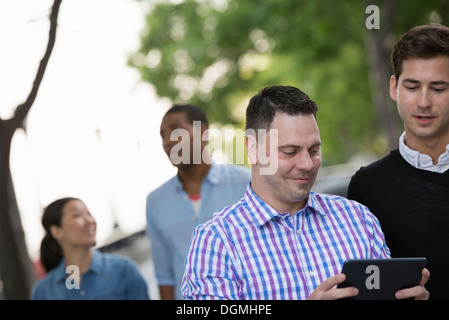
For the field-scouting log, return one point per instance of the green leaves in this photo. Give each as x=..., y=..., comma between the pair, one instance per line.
x=217, y=54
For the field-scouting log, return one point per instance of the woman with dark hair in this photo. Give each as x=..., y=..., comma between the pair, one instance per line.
x=75, y=270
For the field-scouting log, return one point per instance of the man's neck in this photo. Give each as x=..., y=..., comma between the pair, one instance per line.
x=434, y=148
x=192, y=177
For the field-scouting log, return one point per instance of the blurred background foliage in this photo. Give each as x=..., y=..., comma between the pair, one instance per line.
x=218, y=53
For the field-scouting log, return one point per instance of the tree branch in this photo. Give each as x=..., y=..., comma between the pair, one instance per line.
x=23, y=109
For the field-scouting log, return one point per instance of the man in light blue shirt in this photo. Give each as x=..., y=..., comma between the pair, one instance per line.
x=200, y=188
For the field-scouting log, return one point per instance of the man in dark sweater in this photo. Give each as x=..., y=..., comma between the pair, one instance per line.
x=408, y=190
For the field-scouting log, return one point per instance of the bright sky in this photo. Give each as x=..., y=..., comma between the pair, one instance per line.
x=93, y=131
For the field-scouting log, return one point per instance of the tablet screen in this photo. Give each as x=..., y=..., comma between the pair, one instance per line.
x=380, y=279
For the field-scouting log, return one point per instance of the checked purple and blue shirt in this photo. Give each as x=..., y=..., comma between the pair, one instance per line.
x=250, y=251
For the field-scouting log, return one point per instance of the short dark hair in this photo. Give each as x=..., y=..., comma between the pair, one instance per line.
x=262, y=107
x=193, y=113
x=425, y=41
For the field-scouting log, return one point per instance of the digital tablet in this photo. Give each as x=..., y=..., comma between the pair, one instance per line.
x=380, y=279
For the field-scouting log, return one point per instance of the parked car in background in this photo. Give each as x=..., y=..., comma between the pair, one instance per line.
x=335, y=179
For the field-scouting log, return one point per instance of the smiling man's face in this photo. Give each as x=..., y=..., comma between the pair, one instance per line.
x=298, y=157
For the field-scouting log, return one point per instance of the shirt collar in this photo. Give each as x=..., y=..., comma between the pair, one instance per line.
x=423, y=161
x=263, y=212
x=213, y=176
x=95, y=266
x=314, y=203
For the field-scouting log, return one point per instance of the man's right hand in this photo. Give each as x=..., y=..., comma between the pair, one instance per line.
x=327, y=290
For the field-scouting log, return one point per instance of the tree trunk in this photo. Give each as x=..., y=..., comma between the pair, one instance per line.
x=16, y=269
x=378, y=53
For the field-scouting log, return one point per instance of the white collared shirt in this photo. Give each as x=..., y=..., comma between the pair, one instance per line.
x=423, y=161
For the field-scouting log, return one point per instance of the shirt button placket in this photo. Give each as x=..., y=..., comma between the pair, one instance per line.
x=309, y=274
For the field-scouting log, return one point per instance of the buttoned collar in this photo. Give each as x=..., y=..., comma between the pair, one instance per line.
x=423, y=161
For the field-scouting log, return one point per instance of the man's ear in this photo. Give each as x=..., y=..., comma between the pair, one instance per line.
x=204, y=134
x=204, y=128
x=393, y=88
x=251, y=148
